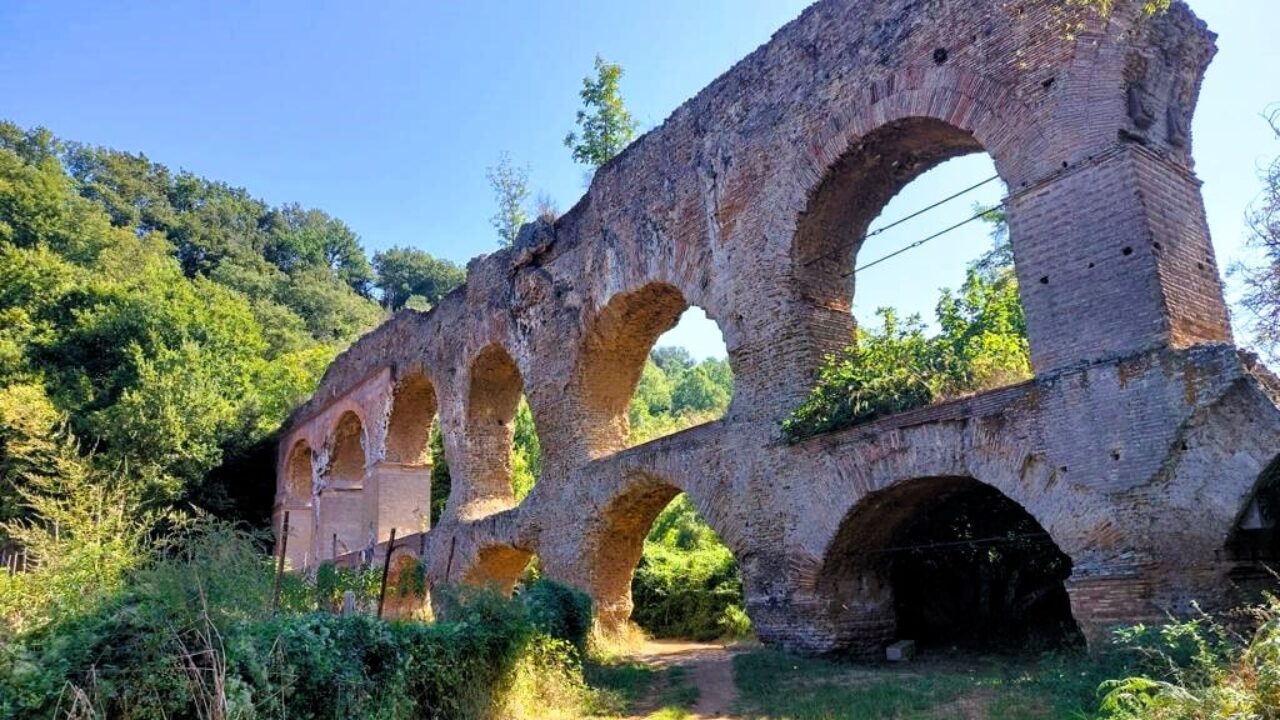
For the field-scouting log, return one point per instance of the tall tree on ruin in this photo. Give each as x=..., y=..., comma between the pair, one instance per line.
x=510, y=183
x=605, y=126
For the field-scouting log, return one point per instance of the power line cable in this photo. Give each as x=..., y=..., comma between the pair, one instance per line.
x=934, y=206
x=995, y=540
x=915, y=214
x=918, y=243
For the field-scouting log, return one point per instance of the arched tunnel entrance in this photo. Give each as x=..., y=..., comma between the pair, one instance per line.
x=950, y=563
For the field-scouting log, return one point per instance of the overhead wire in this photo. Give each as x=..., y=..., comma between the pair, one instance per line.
x=918, y=243
x=916, y=214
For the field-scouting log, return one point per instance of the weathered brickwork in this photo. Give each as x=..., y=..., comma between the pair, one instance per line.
x=1137, y=447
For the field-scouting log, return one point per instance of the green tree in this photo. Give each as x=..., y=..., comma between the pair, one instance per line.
x=698, y=391
x=510, y=183
x=406, y=272
x=605, y=125
x=168, y=321
x=672, y=359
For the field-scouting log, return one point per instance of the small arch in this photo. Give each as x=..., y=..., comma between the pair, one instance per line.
x=347, y=459
x=624, y=524
x=946, y=562
x=342, y=528
x=299, y=474
x=413, y=410
x=1255, y=537
x=615, y=353
x=499, y=567
x=494, y=396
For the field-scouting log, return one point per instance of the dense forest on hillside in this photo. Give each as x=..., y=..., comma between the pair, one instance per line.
x=165, y=324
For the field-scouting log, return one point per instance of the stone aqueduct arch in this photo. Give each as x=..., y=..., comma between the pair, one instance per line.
x=1138, y=445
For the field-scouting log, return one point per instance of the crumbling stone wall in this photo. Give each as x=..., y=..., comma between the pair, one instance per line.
x=1137, y=446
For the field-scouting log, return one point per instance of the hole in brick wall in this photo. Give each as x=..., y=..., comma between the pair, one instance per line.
x=662, y=564
x=940, y=55
x=1156, y=245
x=1091, y=266
x=1048, y=83
x=1127, y=251
x=1044, y=280
x=413, y=407
x=687, y=583
x=956, y=564
x=652, y=365
x=340, y=501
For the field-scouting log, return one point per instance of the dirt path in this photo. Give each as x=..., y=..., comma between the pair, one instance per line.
x=709, y=667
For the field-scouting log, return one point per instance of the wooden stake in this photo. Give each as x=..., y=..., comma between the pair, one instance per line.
x=386, y=569
x=284, y=545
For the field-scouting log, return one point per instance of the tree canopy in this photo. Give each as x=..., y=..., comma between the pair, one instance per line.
x=164, y=323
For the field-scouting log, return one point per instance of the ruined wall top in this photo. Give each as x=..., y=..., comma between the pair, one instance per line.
x=713, y=202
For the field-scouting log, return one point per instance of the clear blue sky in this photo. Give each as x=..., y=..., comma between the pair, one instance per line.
x=386, y=114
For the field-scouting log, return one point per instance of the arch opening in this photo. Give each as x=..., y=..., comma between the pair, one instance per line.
x=413, y=413
x=346, y=454
x=662, y=567
x=500, y=567
x=1255, y=538
x=502, y=438
x=300, y=475
x=856, y=190
x=639, y=379
x=341, y=500
x=904, y=250
x=950, y=563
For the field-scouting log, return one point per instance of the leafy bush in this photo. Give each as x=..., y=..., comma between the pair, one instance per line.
x=559, y=611
x=687, y=583
x=185, y=629
x=899, y=366
x=1202, y=668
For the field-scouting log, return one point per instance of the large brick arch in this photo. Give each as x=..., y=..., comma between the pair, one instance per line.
x=1137, y=446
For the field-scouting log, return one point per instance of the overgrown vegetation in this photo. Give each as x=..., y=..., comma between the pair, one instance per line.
x=1202, y=668
x=168, y=322
x=183, y=627
x=981, y=344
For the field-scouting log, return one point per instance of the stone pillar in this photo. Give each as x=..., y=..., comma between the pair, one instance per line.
x=398, y=495
x=1114, y=258
x=341, y=514
x=300, y=552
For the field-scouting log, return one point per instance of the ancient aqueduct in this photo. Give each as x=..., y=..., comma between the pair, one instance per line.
x=1142, y=446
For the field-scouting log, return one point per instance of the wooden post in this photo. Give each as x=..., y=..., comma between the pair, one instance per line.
x=386, y=569
x=284, y=545
x=334, y=556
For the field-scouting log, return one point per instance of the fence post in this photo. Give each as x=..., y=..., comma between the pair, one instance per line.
x=284, y=544
x=386, y=568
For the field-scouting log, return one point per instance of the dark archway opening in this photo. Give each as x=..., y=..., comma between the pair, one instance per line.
x=1254, y=543
x=950, y=563
x=974, y=569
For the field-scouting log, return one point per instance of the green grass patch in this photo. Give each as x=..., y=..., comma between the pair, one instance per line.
x=775, y=684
